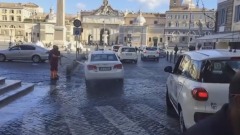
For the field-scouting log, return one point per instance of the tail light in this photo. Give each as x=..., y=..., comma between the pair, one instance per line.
x=200, y=94
x=92, y=67
x=118, y=66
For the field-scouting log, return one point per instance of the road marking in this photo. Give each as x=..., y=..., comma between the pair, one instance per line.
x=120, y=121
x=76, y=121
x=157, y=116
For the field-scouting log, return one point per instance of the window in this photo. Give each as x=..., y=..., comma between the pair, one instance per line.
x=12, y=18
x=177, y=24
x=19, y=33
x=169, y=24
x=223, y=16
x=128, y=50
x=168, y=38
x=186, y=17
x=219, y=71
x=194, y=70
x=160, y=39
x=131, y=22
x=151, y=48
x=15, y=48
x=12, y=11
x=19, y=18
x=19, y=11
x=26, y=34
x=4, y=11
x=37, y=34
x=27, y=47
x=176, y=16
x=150, y=39
x=183, y=68
x=183, y=38
x=4, y=18
x=104, y=57
x=155, y=22
x=237, y=13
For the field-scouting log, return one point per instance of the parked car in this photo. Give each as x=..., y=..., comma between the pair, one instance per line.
x=103, y=65
x=116, y=47
x=162, y=53
x=127, y=54
x=150, y=53
x=197, y=86
x=25, y=52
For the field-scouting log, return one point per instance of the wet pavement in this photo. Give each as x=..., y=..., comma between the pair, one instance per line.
x=66, y=107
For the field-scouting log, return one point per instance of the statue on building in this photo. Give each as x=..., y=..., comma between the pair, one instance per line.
x=200, y=27
x=105, y=38
x=105, y=2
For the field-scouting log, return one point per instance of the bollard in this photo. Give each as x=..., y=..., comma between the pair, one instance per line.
x=171, y=57
x=167, y=55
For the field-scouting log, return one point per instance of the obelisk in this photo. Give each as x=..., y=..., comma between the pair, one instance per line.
x=60, y=29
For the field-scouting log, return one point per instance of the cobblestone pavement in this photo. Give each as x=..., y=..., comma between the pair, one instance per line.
x=67, y=108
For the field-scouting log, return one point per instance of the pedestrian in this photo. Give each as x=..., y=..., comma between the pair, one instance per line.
x=176, y=49
x=227, y=120
x=54, y=59
x=78, y=49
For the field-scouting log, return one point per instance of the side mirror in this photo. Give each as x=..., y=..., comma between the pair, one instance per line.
x=168, y=69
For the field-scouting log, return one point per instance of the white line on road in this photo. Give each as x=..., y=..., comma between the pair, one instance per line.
x=157, y=116
x=76, y=122
x=120, y=121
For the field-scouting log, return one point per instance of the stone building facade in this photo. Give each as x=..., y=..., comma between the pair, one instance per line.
x=187, y=22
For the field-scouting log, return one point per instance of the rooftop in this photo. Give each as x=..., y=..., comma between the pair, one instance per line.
x=212, y=54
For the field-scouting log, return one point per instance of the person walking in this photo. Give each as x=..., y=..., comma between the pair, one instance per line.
x=54, y=59
x=227, y=120
x=176, y=49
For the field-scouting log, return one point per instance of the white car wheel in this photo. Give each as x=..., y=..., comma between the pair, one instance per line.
x=36, y=59
x=181, y=122
x=2, y=58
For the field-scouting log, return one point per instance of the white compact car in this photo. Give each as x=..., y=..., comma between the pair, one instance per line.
x=150, y=53
x=127, y=54
x=198, y=85
x=103, y=65
x=25, y=52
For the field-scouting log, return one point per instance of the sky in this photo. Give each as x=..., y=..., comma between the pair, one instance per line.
x=74, y=6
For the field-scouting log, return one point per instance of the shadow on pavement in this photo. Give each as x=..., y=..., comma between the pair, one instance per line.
x=105, y=89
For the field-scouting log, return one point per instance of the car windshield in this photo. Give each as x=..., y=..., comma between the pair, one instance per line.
x=151, y=49
x=103, y=57
x=219, y=71
x=128, y=50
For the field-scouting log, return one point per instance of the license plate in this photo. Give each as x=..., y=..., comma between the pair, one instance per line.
x=151, y=56
x=105, y=68
x=128, y=54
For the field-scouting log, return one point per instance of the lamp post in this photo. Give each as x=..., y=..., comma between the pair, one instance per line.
x=189, y=30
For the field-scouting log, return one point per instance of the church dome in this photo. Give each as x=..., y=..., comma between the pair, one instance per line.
x=140, y=20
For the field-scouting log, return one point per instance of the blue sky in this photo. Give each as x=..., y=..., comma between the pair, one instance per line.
x=73, y=6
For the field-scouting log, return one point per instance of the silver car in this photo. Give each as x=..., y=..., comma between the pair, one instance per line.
x=25, y=52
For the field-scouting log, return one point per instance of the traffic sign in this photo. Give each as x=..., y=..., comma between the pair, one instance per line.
x=77, y=31
x=77, y=23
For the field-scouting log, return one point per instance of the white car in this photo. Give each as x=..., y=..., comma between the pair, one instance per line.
x=127, y=54
x=25, y=52
x=116, y=47
x=198, y=85
x=150, y=53
x=103, y=65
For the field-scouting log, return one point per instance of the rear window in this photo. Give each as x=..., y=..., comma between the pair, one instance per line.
x=128, y=50
x=151, y=49
x=116, y=47
x=104, y=57
x=219, y=71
